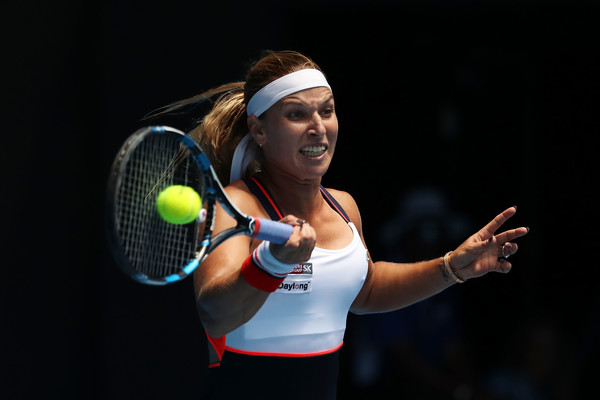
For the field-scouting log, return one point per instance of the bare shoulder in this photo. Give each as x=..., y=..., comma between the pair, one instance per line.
x=242, y=198
x=237, y=188
x=348, y=204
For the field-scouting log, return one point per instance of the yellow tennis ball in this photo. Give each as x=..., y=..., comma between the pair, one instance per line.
x=178, y=204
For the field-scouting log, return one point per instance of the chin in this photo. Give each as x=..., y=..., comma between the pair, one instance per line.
x=311, y=174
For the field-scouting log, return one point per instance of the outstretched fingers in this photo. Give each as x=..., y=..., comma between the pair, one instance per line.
x=487, y=251
x=490, y=229
x=511, y=235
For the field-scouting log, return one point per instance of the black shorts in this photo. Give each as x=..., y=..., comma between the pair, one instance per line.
x=245, y=377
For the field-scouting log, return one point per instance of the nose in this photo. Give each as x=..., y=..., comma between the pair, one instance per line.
x=317, y=127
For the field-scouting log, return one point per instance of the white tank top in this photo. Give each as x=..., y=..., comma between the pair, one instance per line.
x=307, y=314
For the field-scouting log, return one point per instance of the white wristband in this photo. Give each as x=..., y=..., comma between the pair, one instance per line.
x=265, y=260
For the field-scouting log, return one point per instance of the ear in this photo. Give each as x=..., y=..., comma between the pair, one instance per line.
x=255, y=127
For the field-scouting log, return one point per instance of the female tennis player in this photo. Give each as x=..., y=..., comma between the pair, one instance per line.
x=275, y=315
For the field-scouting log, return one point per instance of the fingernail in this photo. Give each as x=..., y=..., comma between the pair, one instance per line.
x=515, y=207
x=527, y=228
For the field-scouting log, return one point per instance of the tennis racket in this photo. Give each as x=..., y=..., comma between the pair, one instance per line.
x=146, y=247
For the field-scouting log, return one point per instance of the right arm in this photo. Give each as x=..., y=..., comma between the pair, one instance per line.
x=224, y=298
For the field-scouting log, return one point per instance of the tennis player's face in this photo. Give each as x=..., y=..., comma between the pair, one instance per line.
x=300, y=133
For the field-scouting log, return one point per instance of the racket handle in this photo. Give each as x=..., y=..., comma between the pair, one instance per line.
x=275, y=232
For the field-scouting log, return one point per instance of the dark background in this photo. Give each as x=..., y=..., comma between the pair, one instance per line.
x=485, y=105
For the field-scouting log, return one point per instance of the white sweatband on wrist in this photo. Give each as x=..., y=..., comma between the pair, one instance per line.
x=266, y=261
x=284, y=86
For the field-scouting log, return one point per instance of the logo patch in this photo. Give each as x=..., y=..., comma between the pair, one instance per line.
x=302, y=269
x=298, y=281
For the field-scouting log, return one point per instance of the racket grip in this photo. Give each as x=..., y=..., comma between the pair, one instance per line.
x=275, y=232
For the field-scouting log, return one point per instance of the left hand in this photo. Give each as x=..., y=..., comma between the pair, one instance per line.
x=485, y=251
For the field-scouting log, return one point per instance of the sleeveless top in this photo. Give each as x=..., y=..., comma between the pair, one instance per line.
x=304, y=318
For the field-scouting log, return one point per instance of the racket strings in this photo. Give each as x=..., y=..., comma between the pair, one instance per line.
x=154, y=247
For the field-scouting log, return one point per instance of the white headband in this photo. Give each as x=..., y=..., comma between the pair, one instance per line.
x=284, y=86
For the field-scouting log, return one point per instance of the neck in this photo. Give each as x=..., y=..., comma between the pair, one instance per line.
x=301, y=198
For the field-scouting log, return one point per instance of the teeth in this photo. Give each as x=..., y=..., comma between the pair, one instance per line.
x=313, y=151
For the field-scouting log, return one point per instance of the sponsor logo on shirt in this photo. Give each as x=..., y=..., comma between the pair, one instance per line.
x=302, y=268
x=294, y=286
x=298, y=281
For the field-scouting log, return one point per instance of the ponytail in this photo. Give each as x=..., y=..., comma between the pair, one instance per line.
x=221, y=129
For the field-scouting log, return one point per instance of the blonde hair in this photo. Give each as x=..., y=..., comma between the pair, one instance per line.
x=222, y=128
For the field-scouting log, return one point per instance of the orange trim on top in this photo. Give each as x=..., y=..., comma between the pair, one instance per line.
x=218, y=345
x=265, y=354
x=262, y=189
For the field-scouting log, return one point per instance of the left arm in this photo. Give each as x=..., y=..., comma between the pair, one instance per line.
x=390, y=286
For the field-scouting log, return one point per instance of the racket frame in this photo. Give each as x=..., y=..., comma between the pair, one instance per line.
x=213, y=193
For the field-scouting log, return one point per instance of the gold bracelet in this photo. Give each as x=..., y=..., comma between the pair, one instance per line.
x=449, y=270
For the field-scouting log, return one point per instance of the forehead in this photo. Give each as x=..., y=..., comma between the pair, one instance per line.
x=313, y=95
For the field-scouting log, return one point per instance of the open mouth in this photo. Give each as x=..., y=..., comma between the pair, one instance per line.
x=313, y=151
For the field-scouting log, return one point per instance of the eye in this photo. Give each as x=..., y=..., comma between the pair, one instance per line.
x=296, y=115
x=327, y=112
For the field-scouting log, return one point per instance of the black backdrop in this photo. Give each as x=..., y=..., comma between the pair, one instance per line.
x=491, y=105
